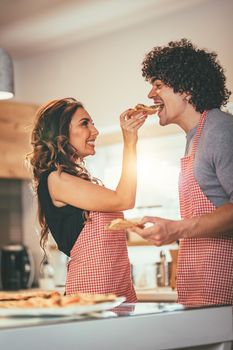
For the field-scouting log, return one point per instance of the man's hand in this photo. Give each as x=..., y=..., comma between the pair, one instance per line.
x=163, y=231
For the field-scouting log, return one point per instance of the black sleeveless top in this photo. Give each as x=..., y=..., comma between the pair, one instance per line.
x=65, y=223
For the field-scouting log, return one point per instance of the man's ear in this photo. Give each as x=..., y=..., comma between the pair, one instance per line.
x=186, y=96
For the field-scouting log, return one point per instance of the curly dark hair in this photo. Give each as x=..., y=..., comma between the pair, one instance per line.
x=51, y=148
x=185, y=68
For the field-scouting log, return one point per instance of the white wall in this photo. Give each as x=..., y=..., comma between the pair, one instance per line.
x=105, y=73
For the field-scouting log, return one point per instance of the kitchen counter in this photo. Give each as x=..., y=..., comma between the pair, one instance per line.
x=163, y=294
x=128, y=326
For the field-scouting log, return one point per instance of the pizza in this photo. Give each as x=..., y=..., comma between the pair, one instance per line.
x=47, y=299
x=143, y=108
x=25, y=295
x=123, y=224
x=87, y=299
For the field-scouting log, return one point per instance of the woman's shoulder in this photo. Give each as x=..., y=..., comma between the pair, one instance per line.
x=46, y=178
x=47, y=172
x=59, y=176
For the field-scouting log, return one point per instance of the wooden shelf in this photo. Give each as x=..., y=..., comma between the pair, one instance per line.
x=149, y=245
x=16, y=120
x=156, y=295
x=139, y=244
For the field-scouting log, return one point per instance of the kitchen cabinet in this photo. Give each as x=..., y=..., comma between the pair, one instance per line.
x=16, y=120
x=129, y=326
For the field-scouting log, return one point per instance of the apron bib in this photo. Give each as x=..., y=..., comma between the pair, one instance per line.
x=205, y=265
x=99, y=262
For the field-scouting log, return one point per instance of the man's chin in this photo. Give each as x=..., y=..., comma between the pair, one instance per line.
x=162, y=122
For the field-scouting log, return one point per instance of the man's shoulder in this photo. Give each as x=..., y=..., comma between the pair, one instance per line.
x=217, y=136
x=218, y=118
x=218, y=124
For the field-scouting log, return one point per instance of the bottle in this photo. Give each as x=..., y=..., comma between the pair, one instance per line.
x=46, y=279
x=150, y=272
x=162, y=271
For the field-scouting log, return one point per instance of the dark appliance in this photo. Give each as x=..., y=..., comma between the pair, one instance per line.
x=16, y=267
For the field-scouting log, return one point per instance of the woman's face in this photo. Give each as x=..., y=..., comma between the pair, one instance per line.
x=82, y=133
x=174, y=104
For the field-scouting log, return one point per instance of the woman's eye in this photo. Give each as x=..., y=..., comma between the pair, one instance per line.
x=86, y=122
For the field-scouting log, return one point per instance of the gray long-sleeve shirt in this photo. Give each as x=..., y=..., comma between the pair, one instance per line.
x=213, y=165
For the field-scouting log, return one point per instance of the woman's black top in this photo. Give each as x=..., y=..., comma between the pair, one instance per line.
x=65, y=223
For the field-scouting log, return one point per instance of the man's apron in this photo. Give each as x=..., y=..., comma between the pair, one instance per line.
x=99, y=260
x=205, y=265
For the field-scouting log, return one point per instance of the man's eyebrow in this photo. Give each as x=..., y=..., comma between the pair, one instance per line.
x=152, y=80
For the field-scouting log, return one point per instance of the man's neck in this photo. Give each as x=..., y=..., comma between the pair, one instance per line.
x=190, y=119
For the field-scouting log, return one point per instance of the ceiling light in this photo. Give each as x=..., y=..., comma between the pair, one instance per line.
x=6, y=76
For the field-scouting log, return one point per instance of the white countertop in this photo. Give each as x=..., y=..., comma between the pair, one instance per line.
x=150, y=330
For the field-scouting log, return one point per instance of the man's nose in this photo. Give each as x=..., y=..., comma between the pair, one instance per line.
x=94, y=131
x=153, y=92
x=150, y=94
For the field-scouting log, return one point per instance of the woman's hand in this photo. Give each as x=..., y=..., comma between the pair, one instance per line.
x=130, y=126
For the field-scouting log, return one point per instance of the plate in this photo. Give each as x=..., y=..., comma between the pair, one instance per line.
x=61, y=311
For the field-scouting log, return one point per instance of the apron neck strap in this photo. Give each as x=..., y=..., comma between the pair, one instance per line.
x=199, y=130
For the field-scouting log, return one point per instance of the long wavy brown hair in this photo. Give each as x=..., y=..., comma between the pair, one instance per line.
x=51, y=149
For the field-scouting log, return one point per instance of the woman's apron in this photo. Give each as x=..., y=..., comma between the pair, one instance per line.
x=205, y=265
x=99, y=260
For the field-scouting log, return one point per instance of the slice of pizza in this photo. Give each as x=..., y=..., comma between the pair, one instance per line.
x=53, y=299
x=40, y=302
x=34, y=302
x=86, y=299
x=140, y=107
x=123, y=224
x=25, y=295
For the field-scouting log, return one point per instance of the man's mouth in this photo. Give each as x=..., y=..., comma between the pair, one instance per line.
x=159, y=104
x=91, y=142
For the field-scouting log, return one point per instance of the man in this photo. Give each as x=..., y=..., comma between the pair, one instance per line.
x=190, y=84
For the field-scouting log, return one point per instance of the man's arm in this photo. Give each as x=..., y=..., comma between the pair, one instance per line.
x=164, y=231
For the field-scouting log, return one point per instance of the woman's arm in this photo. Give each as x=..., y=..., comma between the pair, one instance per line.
x=67, y=189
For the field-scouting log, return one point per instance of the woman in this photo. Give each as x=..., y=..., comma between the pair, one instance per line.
x=191, y=85
x=73, y=206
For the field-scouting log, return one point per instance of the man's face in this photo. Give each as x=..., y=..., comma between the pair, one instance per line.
x=174, y=104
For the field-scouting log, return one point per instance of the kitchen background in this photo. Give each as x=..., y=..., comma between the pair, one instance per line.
x=92, y=50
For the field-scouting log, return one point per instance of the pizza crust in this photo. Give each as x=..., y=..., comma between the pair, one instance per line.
x=123, y=224
x=53, y=299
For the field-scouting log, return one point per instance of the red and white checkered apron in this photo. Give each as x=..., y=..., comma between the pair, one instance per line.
x=99, y=260
x=205, y=265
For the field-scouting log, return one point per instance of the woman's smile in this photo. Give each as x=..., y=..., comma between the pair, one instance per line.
x=83, y=133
